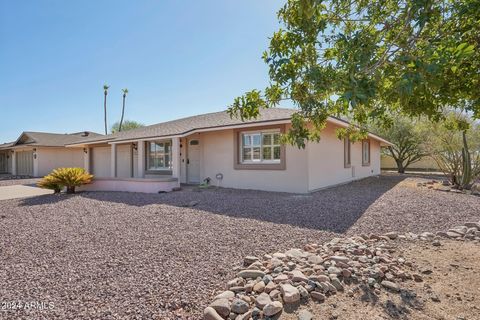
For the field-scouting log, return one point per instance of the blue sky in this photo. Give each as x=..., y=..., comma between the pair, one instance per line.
x=177, y=58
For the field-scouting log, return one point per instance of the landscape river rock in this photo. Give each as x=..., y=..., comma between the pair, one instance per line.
x=264, y=286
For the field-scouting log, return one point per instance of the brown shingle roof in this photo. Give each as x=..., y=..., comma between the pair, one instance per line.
x=46, y=139
x=6, y=145
x=204, y=121
x=185, y=125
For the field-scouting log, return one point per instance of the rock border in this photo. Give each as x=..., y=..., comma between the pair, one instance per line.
x=445, y=186
x=264, y=286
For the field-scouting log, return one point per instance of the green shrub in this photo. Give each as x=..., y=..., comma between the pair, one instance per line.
x=48, y=182
x=66, y=177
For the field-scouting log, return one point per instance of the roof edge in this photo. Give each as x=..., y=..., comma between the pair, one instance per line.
x=330, y=119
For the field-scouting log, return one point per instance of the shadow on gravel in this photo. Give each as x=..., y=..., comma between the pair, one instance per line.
x=44, y=199
x=335, y=209
x=401, y=309
x=395, y=308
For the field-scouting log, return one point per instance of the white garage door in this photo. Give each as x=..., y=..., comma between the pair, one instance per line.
x=101, y=162
x=24, y=162
x=3, y=162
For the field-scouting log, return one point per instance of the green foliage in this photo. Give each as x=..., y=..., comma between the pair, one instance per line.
x=66, y=177
x=49, y=182
x=365, y=59
x=455, y=146
x=407, y=137
x=467, y=163
x=127, y=125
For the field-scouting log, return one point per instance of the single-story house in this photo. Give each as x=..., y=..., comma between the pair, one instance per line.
x=226, y=152
x=5, y=158
x=36, y=154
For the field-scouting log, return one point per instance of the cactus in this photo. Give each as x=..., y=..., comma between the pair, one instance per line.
x=467, y=164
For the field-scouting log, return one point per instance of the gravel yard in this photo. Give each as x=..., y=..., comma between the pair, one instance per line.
x=139, y=256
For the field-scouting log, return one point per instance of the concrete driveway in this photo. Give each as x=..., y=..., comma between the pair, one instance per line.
x=21, y=191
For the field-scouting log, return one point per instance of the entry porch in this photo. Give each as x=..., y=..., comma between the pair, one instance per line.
x=149, y=165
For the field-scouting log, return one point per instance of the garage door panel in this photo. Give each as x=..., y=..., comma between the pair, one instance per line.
x=101, y=162
x=24, y=162
x=3, y=162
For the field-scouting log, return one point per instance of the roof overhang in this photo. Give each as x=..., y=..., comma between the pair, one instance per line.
x=88, y=143
x=208, y=129
x=344, y=124
x=332, y=120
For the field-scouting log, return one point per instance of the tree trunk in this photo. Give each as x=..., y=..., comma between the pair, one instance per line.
x=70, y=190
x=105, y=112
x=123, y=112
x=401, y=168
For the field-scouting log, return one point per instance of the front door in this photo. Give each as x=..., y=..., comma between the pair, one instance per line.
x=193, y=161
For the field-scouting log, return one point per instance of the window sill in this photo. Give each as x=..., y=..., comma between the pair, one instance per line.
x=365, y=164
x=259, y=162
x=159, y=172
x=260, y=166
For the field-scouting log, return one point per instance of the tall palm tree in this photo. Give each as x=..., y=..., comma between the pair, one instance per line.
x=125, y=91
x=105, y=92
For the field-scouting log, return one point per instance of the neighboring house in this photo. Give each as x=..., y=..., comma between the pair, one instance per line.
x=5, y=158
x=425, y=164
x=36, y=154
x=228, y=153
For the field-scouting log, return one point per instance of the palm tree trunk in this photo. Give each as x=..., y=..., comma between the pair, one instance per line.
x=123, y=112
x=105, y=112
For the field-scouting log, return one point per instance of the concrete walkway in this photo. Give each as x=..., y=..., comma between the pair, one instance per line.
x=19, y=191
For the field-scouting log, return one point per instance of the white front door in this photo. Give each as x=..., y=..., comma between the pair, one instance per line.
x=193, y=161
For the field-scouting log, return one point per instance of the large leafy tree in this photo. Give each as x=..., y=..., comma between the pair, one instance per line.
x=126, y=125
x=408, y=139
x=365, y=58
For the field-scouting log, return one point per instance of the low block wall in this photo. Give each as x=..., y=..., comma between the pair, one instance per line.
x=132, y=185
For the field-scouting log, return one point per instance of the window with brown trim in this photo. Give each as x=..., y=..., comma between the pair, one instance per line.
x=347, y=157
x=159, y=155
x=365, y=152
x=259, y=149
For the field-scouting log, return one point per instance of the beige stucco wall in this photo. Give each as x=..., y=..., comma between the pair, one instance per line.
x=425, y=163
x=317, y=166
x=326, y=161
x=49, y=159
x=100, y=161
x=217, y=156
